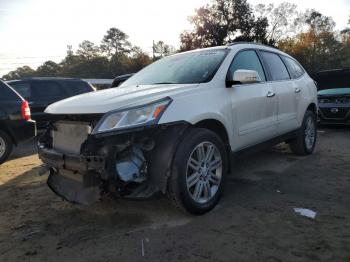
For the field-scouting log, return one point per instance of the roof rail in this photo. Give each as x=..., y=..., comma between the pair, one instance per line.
x=252, y=43
x=48, y=78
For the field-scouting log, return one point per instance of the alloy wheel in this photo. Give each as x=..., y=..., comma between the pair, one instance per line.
x=204, y=172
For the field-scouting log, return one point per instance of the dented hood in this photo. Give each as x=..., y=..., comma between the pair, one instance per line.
x=115, y=98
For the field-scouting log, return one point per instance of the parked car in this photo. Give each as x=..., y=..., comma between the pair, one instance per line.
x=120, y=79
x=99, y=83
x=173, y=126
x=43, y=91
x=16, y=125
x=334, y=96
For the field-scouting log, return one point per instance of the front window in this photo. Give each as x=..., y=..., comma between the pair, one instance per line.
x=187, y=68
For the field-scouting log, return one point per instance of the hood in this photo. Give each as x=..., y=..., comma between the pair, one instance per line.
x=332, y=79
x=116, y=98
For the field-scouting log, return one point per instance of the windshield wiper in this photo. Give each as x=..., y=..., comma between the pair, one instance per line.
x=164, y=83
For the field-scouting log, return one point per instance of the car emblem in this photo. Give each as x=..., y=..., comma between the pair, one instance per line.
x=334, y=110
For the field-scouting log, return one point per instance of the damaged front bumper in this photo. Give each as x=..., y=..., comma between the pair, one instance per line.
x=134, y=164
x=73, y=177
x=71, y=161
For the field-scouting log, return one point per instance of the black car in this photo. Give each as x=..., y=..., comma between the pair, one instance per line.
x=16, y=125
x=43, y=91
x=334, y=96
x=120, y=79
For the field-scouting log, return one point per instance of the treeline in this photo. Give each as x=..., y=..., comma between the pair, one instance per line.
x=309, y=36
x=114, y=56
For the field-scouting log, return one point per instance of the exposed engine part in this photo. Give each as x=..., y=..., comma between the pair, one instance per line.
x=147, y=144
x=132, y=166
x=68, y=136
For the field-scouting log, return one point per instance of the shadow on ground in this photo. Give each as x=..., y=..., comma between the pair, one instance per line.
x=253, y=222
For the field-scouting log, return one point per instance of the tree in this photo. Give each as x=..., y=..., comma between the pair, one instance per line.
x=24, y=71
x=88, y=50
x=222, y=22
x=318, y=47
x=161, y=49
x=284, y=20
x=49, y=68
x=138, y=60
x=115, y=42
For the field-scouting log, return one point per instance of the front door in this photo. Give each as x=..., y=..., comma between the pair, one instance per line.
x=254, y=106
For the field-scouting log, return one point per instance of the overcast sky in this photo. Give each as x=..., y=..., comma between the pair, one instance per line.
x=33, y=31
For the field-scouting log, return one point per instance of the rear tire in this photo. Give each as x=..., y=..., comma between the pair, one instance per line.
x=198, y=171
x=5, y=146
x=305, y=142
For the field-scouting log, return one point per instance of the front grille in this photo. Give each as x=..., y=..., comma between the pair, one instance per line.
x=68, y=136
x=335, y=112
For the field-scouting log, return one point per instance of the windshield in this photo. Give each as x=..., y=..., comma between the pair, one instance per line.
x=187, y=68
x=335, y=91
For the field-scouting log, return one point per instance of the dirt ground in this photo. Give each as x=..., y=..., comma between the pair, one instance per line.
x=254, y=221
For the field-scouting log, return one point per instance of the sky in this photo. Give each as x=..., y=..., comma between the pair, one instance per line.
x=33, y=31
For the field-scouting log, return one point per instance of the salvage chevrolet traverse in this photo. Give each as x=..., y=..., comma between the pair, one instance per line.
x=173, y=126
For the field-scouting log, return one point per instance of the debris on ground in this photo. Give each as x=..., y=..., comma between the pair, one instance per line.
x=305, y=212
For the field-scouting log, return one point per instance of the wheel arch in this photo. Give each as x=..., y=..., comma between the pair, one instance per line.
x=312, y=107
x=217, y=127
x=5, y=129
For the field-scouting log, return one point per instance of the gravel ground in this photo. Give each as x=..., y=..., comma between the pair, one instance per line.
x=254, y=221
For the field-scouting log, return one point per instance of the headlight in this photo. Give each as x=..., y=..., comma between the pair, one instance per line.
x=132, y=117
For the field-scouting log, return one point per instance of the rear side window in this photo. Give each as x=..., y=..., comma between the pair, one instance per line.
x=276, y=66
x=294, y=68
x=23, y=88
x=247, y=60
x=46, y=89
x=7, y=94
x=78, y=87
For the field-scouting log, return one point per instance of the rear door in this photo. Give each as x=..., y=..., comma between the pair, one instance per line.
x=254, y=106
x=280, y=81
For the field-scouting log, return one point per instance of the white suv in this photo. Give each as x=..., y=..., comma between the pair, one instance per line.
x=173, y=126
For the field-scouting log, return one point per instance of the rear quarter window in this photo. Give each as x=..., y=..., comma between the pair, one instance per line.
x=276, y=66
x=77, y=87
x=294, y=68
x=23, y=88
x=7, y=94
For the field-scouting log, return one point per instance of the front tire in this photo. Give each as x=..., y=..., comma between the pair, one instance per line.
x=305, y=142
x=198, y=171
x=5, y=147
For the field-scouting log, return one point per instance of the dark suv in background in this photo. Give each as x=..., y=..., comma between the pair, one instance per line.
x=43, y=91
x=16, y=125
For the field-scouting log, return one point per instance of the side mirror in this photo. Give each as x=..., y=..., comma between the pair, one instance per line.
x=241, y=76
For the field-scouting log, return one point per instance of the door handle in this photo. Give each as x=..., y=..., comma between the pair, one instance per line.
x=297, y=90
x=270, y=94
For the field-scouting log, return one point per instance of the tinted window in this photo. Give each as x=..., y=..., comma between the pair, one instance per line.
x=277, y=68
x=247, y=60
x=23, y=88
x=6, y=93
x=78, y=87
x=46, y=89
x=294, y=68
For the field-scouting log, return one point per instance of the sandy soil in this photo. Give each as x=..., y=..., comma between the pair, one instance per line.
x=254, y=221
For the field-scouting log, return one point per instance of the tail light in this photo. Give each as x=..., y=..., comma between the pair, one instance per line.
x=25, y=110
